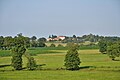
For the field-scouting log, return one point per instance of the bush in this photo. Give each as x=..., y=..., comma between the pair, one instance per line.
x=52, y=45
x=31, y=65
x=60, y=45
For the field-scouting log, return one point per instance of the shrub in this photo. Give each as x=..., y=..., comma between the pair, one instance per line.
x=60, y=45
x=52, y=45
x=31, y=65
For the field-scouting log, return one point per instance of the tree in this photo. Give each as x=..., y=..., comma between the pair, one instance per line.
x=41, y=44
x=60, y=45
x=34, y=44
x=54, y=36
x=16, y=61
x=27, y=41
x=42, y=39
x=102, y=46
x=31, y=64
x=74, y=36
x=33, y=41
x=18, y=50
x=8, y=43
x=33, y=38
x=1, y=42
x=52, y=45
x=114, y=51
x=72, y=60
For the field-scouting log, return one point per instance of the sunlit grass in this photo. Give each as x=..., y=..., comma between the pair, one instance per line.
x=94, y=66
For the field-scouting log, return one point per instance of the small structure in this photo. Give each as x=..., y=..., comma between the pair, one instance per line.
x=56, y=39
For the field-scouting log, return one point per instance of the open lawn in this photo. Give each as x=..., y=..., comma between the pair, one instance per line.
x=94, y=66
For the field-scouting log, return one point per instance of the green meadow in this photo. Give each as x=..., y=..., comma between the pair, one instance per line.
x=94, y=66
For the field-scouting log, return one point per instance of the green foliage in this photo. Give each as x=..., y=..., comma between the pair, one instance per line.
x=60, y=45
x=27, y=42
x=8, y=43
x=31, y=65
x=70, y=45
x=33, y=38
x=72, y=61
x=1, y=42
x=33, y=41
x=34, y=44
x=4, y=53
x=38, y=43
x=17, y=51
x=114, y=51
x=21, y=40
x=42, y=39
x=85, y=47
x=102, y=46
x=52, y=45
x=17, y=61
x=41, y=44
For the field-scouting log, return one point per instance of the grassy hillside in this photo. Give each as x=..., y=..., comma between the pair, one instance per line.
x=94, y=66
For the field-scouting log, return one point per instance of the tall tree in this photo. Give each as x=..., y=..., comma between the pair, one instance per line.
x=72, y=60
x=18, y=50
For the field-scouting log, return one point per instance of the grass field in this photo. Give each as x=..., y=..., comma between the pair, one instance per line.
x=94, y=66
x=46, y=50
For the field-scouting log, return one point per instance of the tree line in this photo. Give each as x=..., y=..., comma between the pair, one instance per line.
x=90, y=37
x=6, y=43
x=110, y=47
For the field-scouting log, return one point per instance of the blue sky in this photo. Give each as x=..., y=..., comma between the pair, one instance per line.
x=60, y=17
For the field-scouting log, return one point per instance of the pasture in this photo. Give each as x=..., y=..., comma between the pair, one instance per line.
x=94, y=66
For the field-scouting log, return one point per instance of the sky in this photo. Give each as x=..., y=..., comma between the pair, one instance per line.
x=42, y=18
